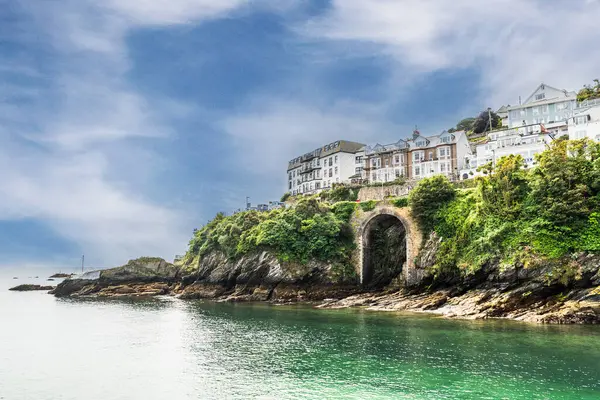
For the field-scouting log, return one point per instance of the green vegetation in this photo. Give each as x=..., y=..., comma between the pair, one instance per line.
x=340, y=192
x=285, y=196
x=400, y=202
x=478, y=124
x=367, y=206
x=310, y=230
x=515, y=216
x=589, y=92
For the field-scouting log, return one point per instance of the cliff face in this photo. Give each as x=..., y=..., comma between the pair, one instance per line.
x=262, y=276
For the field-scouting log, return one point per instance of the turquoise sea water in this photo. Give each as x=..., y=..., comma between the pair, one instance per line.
x=169, y=349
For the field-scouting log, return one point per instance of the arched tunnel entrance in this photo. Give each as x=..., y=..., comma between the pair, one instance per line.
x=384, y=250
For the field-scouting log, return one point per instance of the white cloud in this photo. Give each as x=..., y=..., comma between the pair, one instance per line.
x=269, y=134
x=515, y=44
x=56, y=149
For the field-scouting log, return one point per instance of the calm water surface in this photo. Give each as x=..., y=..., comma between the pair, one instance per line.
x=159, y=349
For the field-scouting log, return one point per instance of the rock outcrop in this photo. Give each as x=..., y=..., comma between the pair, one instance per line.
x=261, y=277
x=29, y=288
x=141, y=277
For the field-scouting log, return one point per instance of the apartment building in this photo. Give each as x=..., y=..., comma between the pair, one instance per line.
x=586, y=121
x=418, y=157
x=321, y=168
x=546, y=105
x=526, y=141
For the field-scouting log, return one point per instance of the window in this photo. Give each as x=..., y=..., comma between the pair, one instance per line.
x=336, y=159
x=442, y=167
x=318, y=173
x=399, y=159
x=430, y=156
x=420, y=143
x=397, y=171
x=444, y=152
x=290, y=185
x=311, y=186
x=374, y=177
x=318, y=185
x=330, y=172
x=417, y=171
x=580, y=134
x=545, y=109
x=515, y=113
x=336, y=170
x=358, y=160
x=376, y=162
x=330, y=161
x=290, y=176
x=540, y=96
x=581, y=120
x=387, y=162
x=357, y=170
x=536, y=110
x=446, y=139
x=418, y=156
x=293, y=174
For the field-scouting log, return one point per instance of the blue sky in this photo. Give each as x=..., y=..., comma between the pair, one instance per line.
x=124, y=125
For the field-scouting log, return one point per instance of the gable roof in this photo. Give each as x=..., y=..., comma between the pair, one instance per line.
x=543, y=86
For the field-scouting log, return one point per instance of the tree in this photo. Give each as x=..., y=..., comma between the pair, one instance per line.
x=482, y=124
x=589, y=92
x=430, y=195
x=505, y=189
x=465, y=124
x=566, y=183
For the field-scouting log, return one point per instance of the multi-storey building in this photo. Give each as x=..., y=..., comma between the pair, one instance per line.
x=546, y=105
x=418, y=157
x=322, y=167
x=526, y=141
x=586, y=122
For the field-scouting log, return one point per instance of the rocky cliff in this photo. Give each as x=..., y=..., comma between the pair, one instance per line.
x=262, y=276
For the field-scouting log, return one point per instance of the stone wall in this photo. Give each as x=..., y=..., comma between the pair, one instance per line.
x=381, y=192
x=411, y=273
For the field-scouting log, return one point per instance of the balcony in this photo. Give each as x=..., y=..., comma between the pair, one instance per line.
x=309, y=168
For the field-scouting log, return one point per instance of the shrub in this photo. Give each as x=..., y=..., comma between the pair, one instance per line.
x=343, y=210
x=285, y=196
x=367, y=206
x=400, y=202
x=430, y=195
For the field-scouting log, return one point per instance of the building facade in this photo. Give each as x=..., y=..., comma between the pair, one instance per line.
x=586, y=122
x=526, y=141
x=322, y=167
x=546, y=105
x=418, y=157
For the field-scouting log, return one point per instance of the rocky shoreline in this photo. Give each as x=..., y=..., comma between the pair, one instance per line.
x=260, y=278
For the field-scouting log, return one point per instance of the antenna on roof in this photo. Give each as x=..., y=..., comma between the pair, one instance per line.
x=519, y=100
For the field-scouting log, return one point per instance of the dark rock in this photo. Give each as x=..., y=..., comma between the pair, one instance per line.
x=61, y=275
x=143, y=276
x=28, y=288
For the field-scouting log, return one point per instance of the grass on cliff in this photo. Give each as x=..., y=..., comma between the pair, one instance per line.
x=310, y=230
x=515, y=216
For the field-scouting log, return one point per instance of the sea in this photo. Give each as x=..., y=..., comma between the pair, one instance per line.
x=165, y=348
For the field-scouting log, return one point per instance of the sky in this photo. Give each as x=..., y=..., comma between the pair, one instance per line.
x=124, y=125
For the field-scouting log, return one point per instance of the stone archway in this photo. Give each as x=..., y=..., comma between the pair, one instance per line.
x=393, y=220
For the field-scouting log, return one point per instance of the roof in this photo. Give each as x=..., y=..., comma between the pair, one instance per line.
x=568, y=95
x=339, y=146
x=407, y=144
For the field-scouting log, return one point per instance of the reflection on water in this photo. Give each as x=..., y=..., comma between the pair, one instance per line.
x=165, y=348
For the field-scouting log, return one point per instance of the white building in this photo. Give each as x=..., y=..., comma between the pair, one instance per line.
x=322, y=167
x=586, y=122
x=526, y=140
x=546, y=105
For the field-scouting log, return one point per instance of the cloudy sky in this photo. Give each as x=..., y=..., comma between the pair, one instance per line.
x=126, y=124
